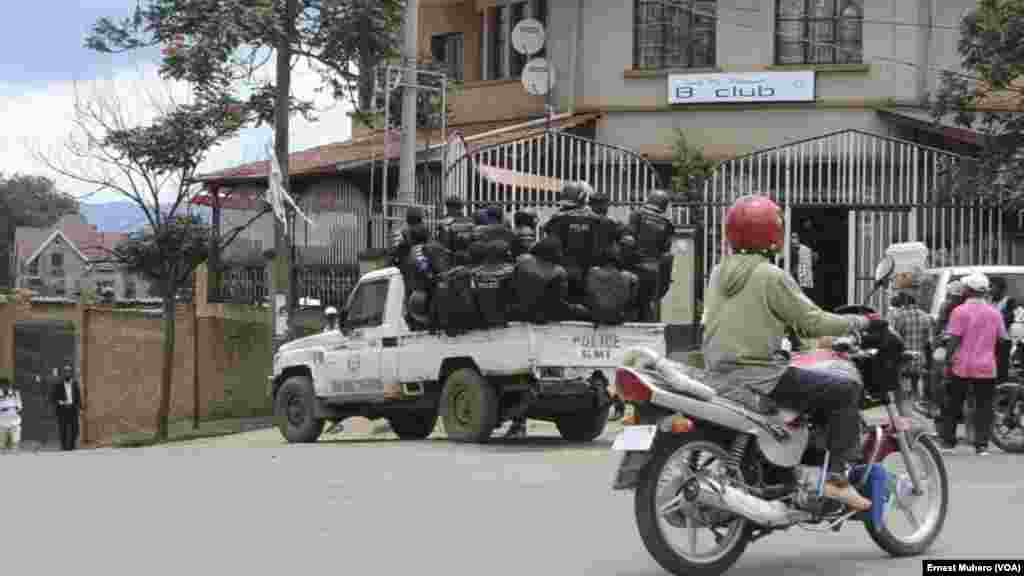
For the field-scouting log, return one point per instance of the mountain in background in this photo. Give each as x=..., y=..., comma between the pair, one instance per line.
x=126, y=216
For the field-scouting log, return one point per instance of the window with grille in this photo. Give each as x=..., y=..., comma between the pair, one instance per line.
x=674, y=34
x=447, y=49
x=56, y=260
x=819, y=32
x=501, y=21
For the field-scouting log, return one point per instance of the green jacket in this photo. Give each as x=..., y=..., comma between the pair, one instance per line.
x=747, y=306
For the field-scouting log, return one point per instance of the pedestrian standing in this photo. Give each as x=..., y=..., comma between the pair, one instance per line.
x=67, y=397
x=974, y=329
x=916, y=327
x=10, y=416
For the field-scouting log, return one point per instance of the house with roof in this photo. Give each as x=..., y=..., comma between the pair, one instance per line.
x=69, y=257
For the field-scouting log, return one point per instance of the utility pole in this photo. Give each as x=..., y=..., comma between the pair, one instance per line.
x=281, y=266
x=407, y=168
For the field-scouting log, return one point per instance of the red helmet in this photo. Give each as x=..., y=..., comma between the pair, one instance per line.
x=754, y=223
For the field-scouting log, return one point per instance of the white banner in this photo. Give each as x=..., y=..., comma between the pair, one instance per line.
x=795, y=86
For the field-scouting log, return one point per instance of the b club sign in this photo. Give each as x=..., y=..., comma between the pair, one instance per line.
x=796, y=86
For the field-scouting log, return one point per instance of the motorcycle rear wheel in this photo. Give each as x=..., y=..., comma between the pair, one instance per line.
x=936, y=483
x=1008, y=420
x=683, y=452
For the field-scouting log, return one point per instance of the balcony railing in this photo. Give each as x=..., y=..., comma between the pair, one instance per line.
x=330, y=286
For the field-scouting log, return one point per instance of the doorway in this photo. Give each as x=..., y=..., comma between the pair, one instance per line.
x=825, y=231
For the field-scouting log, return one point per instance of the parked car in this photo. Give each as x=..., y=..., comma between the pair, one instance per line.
x=376, y=367
x=934, y=288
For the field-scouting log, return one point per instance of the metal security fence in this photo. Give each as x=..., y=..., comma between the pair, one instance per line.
x=894, y=191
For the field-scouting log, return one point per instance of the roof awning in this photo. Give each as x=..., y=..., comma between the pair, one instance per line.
x=945, y=126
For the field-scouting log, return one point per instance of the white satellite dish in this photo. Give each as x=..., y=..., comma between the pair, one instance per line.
x=538, y=77
x=528, y=37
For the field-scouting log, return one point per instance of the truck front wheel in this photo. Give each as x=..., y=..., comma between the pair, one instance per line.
x=469, y=406
x=294, y=409
x=583, y=426
x=413, y=425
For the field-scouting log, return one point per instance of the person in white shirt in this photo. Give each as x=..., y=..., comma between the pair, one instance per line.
x=10, y=416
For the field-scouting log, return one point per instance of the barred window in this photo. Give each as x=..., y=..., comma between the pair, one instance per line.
x=819, y=32
x=674, y=34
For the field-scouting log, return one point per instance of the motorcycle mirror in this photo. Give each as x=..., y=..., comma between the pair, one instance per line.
x=884, y=270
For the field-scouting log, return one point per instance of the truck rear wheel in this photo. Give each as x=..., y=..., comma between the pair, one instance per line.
x=294, y=409
x=584, y=426
x=469, y=406
x=413, y=425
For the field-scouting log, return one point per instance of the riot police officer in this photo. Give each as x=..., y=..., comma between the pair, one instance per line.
x=494, y=235
x=525, y=224
x=652, y=232
x=424, y=263
x=400, y=239
x=611, y=235
x=455, y=232
x=575, y=225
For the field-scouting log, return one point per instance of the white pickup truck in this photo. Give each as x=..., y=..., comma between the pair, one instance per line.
x=376, y=367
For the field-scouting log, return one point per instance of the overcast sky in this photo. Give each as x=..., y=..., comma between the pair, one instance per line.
x=42, y=61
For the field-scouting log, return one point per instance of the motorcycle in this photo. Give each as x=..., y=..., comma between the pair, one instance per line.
x=1008, y=420
x=725, y=473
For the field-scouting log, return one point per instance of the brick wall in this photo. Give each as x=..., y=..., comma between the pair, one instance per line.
x=123, y=353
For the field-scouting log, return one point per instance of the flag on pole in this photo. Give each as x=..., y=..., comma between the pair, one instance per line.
x=277, y=195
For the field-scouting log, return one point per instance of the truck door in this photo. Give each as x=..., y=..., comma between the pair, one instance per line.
x=357, y=366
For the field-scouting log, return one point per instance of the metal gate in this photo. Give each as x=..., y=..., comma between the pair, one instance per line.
x=40, y=347
x=894, y=190
x=529, y=172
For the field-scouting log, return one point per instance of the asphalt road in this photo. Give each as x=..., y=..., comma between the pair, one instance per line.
x=250, y=505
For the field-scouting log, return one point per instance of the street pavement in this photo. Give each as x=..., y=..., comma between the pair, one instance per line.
x=359, y=503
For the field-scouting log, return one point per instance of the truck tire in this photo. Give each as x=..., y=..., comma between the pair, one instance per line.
x=583, y=426
x=469, y=406
x=294, y=409
x=413, y=425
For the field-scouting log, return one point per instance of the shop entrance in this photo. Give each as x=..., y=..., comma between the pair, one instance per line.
x=825, y=231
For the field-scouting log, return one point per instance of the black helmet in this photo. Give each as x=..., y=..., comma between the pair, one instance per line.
x=658, y=199
x=525, y=217
x=453, y=201
x=413, y=215
x=599, y=198
x=572, y=194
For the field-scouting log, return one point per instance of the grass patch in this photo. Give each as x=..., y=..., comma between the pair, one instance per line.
x=180, y=431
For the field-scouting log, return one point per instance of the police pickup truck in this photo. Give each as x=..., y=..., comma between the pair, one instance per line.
x=376, y=367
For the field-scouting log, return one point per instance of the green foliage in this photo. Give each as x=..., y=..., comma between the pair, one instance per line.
x=34, y=201
x=690, y=169
x=215, y=44
x=170, y=252
x=988, y=96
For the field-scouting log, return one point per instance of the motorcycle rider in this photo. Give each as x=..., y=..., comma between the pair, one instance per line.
x=575, y=225
x=748, y=304
x=652, y=233
x=455, y=232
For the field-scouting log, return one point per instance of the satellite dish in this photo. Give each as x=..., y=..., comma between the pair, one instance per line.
x=528, y=37
x=538, y=77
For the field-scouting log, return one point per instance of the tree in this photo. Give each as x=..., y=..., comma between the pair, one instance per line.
x=988, y=96
x=144, y=162
x=27, y=200
x=217, y=44
x=690, y=169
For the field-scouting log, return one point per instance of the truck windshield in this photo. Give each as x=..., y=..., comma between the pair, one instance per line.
x=366, y=307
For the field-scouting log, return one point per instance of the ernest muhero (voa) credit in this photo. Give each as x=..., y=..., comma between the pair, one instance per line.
x=972, y=567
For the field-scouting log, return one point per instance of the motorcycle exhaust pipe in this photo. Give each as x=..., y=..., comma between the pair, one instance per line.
x=708, y=492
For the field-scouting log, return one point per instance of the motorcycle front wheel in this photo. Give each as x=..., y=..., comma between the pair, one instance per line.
x=1008, y=417
x=925, y=513
x=711, y=541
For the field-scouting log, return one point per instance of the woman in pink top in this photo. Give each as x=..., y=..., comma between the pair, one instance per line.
x=974, y=329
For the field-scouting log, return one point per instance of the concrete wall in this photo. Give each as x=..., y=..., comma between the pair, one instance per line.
x=120, y=355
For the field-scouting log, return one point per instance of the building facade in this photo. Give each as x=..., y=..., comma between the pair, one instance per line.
x=819, y=103
x=70, y=258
